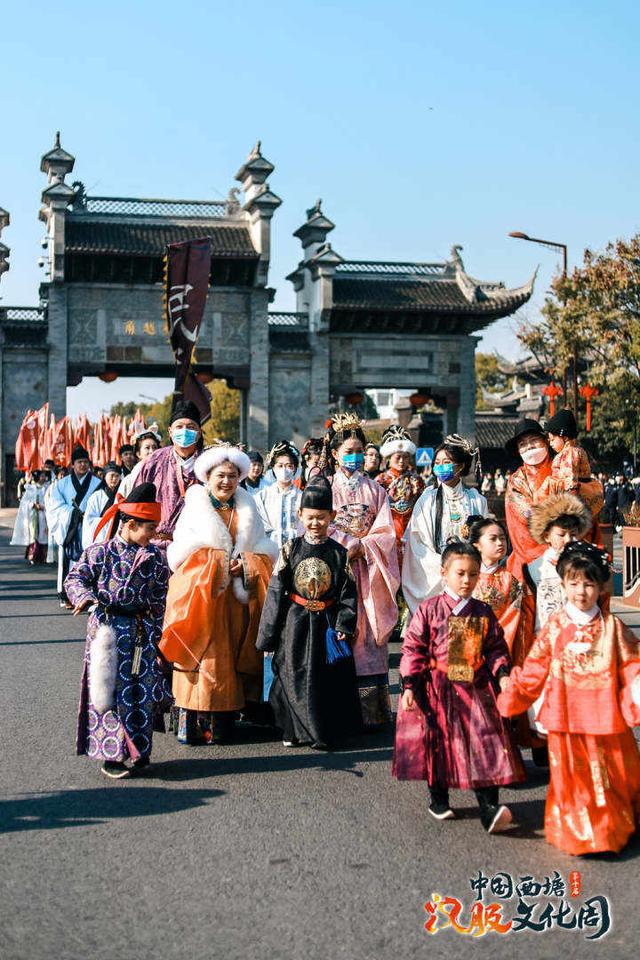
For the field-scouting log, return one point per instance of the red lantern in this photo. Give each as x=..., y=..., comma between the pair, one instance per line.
x=204, y=377
x=552, y=391
x=354, y=399
x=589, y=392
x=419, y=399
x=108, y=376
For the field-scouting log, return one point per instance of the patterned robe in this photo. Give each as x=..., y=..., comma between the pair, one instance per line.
x=172, y=480
x=403, y=490
x=129, y=584
x=363, y=515
x=589, y=676
x=454, y=736
x=503, y=593
x=520, y=496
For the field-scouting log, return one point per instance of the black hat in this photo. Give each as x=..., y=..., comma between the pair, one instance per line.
x=111, y=467
x=142, y=493
x=563, y=424
x=79, y=453
x=317, y=495
x=125, y=448
x=524, y=426
x=255, y=456
x=185, y=410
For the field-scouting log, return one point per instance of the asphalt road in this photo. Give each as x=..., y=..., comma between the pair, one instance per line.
x=250, y=851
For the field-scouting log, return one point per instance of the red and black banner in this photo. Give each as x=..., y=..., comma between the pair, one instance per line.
x=188, y=266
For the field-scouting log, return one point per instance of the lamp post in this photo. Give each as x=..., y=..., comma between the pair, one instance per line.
x=518, y=235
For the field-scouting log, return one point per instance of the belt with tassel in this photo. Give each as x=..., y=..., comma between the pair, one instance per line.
x=137, y=615
x=313, y=606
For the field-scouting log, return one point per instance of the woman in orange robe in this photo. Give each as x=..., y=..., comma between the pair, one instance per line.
x=586, y=665
x=221, y=561
x=530, y=443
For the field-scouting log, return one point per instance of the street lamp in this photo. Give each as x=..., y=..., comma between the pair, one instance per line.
x=518, y=235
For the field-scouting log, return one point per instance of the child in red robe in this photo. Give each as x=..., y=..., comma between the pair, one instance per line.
x=571, y=468
x=587, y=665
x=449, y=731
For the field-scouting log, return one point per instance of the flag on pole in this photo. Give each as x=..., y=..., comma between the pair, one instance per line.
x=187, y=270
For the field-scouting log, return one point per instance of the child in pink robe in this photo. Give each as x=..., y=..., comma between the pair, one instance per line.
x=364, y=525
x=449, y=731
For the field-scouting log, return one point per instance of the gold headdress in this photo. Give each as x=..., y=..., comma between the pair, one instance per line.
x=346, y=423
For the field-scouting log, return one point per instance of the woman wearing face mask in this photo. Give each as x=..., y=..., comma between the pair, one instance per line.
x=171, y=468
x=278, y=503
x=438, y=516
x=364, y=525
x=529, y=442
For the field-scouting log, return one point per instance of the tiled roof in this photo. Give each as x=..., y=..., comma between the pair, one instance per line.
x=436, y=295
x=150, y=239
x=494, y=432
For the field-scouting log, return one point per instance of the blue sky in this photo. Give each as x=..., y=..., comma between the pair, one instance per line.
x=420, y=124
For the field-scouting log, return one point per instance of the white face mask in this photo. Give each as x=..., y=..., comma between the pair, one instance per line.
x=283, y=474
x=535, y=456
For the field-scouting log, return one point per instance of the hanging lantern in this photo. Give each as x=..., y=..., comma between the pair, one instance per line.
x=588, y=392
x=419, y=399
x=108, y=376
x=204, y=377
x=552, y=391
x=354, y=399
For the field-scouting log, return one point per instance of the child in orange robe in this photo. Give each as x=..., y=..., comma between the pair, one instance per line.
x=571, y=469
x=496, y=586
x=587, y=665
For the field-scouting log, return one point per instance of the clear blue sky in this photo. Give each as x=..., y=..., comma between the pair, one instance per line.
x=420, y=124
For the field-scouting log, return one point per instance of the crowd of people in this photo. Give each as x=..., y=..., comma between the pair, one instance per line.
x=224, y=585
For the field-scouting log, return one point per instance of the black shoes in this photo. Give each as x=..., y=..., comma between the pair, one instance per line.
x=540, y=756
x=439, y=807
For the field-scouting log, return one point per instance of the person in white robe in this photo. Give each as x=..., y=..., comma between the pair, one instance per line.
x=99, y=502
x=278, y=504
x=439, y=516
x=30, y=529
x=66, y=506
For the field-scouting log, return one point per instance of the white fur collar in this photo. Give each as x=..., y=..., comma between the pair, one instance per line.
x=200, y=525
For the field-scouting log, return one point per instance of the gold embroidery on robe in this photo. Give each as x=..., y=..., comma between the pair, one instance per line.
x=466, y=635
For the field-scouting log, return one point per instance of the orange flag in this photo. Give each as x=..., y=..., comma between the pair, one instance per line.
x=43, y=435
x=27, y=442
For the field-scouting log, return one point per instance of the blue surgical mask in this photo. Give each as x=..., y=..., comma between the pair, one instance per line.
x=444, y=471
x=184, y=437
x=352, y=461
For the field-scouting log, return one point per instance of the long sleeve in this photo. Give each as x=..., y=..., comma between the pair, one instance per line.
x=275, y=606
x=415, y=646
x=347, y=602
x=158, y=594
x=421, y=565
x=261, y=507
x=91, y=518
x=495, y=650
x=526, y=683
x=628, y=654
x=59, y=512
x=81, y=582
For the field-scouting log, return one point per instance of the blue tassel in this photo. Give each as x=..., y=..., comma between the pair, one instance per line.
x=336, y=649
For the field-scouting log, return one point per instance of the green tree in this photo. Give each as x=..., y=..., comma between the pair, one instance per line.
x=128, y=409
x=489, y=377
x=594, y=313
x=225, y=413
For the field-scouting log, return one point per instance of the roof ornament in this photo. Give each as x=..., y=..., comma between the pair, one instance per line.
x=455, y=255
x=232, y=203
x=80, y=198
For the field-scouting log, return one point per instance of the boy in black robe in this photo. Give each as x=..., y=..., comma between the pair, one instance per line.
x=307, y=620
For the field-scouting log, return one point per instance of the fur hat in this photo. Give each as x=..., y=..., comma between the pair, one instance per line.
x=544, y=515
x=396, y=440
x=221, y=453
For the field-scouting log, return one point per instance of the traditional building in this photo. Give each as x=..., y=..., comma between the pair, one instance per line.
x=358, y=325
